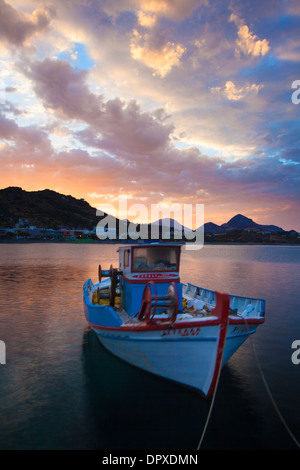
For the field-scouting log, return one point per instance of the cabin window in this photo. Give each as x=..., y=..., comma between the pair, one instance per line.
x=155, y=258
x=126, y=258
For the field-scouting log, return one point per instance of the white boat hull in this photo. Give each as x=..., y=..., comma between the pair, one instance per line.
x=190, y=352
x=186, y=356
x=181, y=359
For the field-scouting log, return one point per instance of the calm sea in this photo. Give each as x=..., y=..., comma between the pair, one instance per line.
x=60, y=389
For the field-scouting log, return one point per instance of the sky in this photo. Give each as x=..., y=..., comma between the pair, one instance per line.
x=158, y=101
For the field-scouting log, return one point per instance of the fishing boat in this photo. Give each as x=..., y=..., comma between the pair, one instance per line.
x=142, y=313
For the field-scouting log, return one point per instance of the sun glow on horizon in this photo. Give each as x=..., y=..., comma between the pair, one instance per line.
x=183, y=103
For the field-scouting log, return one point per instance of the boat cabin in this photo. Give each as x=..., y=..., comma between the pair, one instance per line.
x=142, y=263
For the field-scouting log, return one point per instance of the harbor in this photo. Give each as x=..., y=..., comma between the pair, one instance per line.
x=61, y=389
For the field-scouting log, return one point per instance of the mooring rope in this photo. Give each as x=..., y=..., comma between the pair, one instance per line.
x=269, y=391
x=266, y=386
x=213, y=397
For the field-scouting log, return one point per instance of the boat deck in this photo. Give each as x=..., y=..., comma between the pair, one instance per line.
x=196, y=303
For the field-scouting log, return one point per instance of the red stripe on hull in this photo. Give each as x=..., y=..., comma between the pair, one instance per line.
x=222, y=310
x=184, y=324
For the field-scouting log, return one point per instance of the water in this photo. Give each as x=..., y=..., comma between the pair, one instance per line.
x=60, y=389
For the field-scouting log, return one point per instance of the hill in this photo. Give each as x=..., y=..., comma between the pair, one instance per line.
x=240, y=222
x=210, y=227
x=50, y=209
x=45, y=208
x=167, y=223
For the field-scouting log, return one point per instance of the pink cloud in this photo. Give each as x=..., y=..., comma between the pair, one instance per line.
x=16, y=27
x=121, y=125
x=171, y=174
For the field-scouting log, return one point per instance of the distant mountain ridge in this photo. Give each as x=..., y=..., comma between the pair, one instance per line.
x=172, y=224
x=239, y=222
x=50, y=209
x=211, y=227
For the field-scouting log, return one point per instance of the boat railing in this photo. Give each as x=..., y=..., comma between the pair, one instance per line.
x=88, y=285
x=245, y=306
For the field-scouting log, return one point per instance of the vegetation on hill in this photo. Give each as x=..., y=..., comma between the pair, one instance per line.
x=45, y=208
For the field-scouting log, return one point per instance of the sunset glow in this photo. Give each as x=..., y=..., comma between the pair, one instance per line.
x=160, y=101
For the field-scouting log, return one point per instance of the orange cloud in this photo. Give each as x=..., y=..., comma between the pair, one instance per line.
x=173, y=9
x=161, y=59
x=146, y=19
x=247, y=42
x=233, y=93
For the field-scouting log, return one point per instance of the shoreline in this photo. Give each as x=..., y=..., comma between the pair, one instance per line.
x=130, y=242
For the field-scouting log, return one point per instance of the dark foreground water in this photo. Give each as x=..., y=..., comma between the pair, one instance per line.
x=60, y=389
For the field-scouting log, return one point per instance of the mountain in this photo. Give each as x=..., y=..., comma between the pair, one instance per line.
x=236, y=223
x=50, y=209
x=239, y=222
x=45, y=208
x=173, y=224
x=210, y=227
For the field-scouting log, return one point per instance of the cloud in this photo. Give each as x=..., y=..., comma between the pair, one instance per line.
x=162, y=59
x=120, y=124
x=163, y=174
x=62, y=89
x=289, y=50
x=233, y=93
x=146, y=19
x=19, y=136
x=175, y=10
x=8, y=127
x=164, y=101
x=17, y=27
x=293, y=7
x=247, y=42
